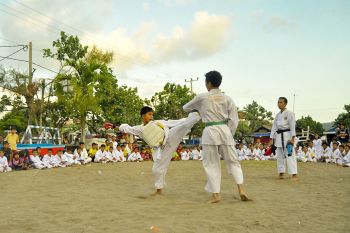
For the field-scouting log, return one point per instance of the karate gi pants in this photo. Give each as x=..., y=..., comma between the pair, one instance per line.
x=212, y=165
x=162, y=155
x=283, y=159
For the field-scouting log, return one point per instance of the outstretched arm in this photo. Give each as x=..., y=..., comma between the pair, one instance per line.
x=134, y=130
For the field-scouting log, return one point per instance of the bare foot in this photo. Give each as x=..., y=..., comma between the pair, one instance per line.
x=215, y=198
x=157, y=192
x=244, y=197
x=281, y=176
x=295, y=178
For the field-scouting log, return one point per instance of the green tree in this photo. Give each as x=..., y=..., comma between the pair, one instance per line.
x=81, y=75
x=168, y=104
x=15, y=118
x=343, y=117
x=257, y=116
x=17, y=83
x=305, y=122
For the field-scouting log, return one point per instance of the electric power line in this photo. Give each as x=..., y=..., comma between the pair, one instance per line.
x=3, y=58
x=16, y=59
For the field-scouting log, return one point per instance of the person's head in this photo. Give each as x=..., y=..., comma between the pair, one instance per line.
x=317, y=136
x=94, y=145
x=136, y=149
x=346, y=148
x=82, y=145
x=240, y=145
x=305, y=149
x=342, y=126
x=35, y=153
x=1, y=153
x=60, y=152
x=110, y=149
x=335, y=145
x=324, y=145
x=261, y=146
x=38, y=149
x=282, y=103
x=69, y=150
x=103, y=147
x=119, y=147
x=13, y=130
x=341, y=148
x=146, y=114
x=213, y=80
x=79, y=150
x=16, y=155
x=49, y=152
x=6, y=144
x=311, y=144
x=123, y=146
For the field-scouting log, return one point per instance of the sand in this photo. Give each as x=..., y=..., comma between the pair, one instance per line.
x=114, y=198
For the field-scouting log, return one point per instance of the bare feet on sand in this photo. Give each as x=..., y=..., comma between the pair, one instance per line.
x=157, y=192
x=215, y=198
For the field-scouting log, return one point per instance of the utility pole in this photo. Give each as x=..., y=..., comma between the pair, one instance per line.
x=30, y=47
x=293, y=102
x=191, y=82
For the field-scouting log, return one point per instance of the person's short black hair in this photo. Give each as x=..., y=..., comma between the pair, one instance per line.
x=103, y=145
x=324, y=143
x=6, y=142
x=81, y=143
x=49, y=150
x=213, y=77
x=38, y=148
x=335, y=143
x=284, y=99
x=342, y=146
x=145, y=110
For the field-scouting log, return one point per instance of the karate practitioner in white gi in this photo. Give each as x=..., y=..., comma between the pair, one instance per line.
x=175, y=131
x=219, y=113
x=283, y=133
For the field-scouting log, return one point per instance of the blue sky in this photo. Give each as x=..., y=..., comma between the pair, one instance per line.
x=264, y=49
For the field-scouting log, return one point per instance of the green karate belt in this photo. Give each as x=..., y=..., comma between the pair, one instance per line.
x=212, y=123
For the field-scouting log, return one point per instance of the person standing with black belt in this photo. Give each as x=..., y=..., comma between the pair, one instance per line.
x=283, y=137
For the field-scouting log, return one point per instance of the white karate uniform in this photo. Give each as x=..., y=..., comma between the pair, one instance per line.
x=65, y=160
x=249, y=154
x=38, y=164
x=325, y=154
x=346, y=159
x=4, y=166
x=334, y=156
x=184, y=155
x=284, y=120
x=101, y=156
x=195, y=154
x=241, y=154
x=304, y=157
x=47, y=161
x=84, y=157
x=72, y=158
x=56, y=161
x=120, y=156
x=318, y=147
x=175, y=131
x=135, y=156
x=217, y=140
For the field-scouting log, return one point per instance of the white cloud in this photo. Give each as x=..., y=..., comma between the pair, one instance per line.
x=280, y=24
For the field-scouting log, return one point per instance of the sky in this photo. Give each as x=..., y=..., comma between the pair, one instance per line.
x=263, y=48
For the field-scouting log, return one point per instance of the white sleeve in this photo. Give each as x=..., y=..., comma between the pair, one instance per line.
x=233, y=117
x=173, y=123
x=192, y=105
x=274, y=128
x=134, y=130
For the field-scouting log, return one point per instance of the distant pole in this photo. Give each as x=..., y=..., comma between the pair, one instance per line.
x=30, y=47
x=293, y=103
x=191, y=82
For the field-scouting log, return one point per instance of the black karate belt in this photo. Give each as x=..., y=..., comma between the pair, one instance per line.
x=281, y=131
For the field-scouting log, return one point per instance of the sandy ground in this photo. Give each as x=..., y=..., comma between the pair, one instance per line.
x=114, y=198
